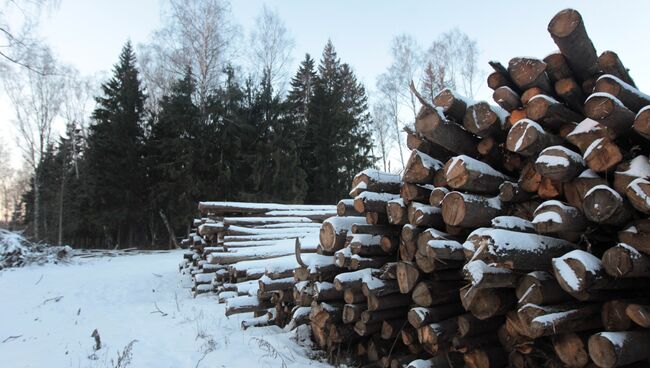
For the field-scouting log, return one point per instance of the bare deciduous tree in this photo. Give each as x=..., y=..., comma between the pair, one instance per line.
x=388, y=86
x=382, y=130
x=271, y=47
x=37, y=98
x=6, y=178
x=452, y=61
x=196, y=33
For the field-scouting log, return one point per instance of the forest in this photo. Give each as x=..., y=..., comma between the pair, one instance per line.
x=183, y=118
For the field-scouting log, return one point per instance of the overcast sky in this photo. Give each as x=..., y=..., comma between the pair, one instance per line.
x=90, y=34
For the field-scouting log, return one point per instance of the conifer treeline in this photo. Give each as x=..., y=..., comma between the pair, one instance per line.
x=133, y=171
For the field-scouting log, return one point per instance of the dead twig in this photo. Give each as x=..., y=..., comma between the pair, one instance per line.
x=39, y=280
x=158, y=310
x=56, y=299
x=11, y=338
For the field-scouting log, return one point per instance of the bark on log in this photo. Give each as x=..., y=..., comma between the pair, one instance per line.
x=610, y=63
x=529, y=72
x=528, y=138
x=428, y=293
x=559, y=164
x=637, y=235
x=424, y=215
x=396, y=211
x=571, y=93
x=642, y=123
x=466, y=173
x=602, y=155
x=568, y=31
x=603, y=205
x=469, y=210
x=507, y=98
x=557, y=67
x=437, y=195
x=556, y=217
x=624, y=261
x=453, y=105
x=345, y=207
x=420, y=168
x=610, y=112
x=616, y=349
x=485, y=120
x=631, y=97
x=639, y=313
x=540, y=288
x=420, y=316
x=550, y=113
x=638, y=193
x=434, y=127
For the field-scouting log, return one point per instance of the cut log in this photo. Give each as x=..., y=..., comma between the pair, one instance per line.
x=556, y=217
x=418, y=142
x=345, y=207
x=424, y=215
x=407, y=276
x=520, y=251
x=488, y=303
x=528, y=138
x=586, y=132
x=485, y=120
x=614, y=315
x=469, y=210
x=550, y=113
x=373, y=201
x=559, y=163
x=390, y=329
x=428, y=293
x=417, y=192
x=540, y=288
x=366, y=245
x=388, y=302
x=603, y=205
x=420, y=316
x=639, y=313
x=616, y=349
x=377, y=287
x=375, y=229
x=453, y=137
x=469, y=325
x=244, y=304
x=631, y=97
x=512, y=192
x=507, y=98
x=610, y=63
x=575, y=191
x=610, y=112
x=486, y=357
x=638, y=193
x=528, y=94
x=453, y=104
x=354, y=280
x=334, y=231
x=623, y=260
x=637, y=235
x=638, y=167
x=568, y=31
x=420, y=168
x=396, y=211
x=557, y=67
x=377, y=181
x=528, y=73
x=583, y=318
x=642, y=123
x=529, y=179
x=571, y=349
x=602, y=155
x=465, y=173
x=571, y=93
x=482, y=276
x=437, y=195
x=352, y=312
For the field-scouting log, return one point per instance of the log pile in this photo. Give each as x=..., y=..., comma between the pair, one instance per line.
x=245, y=252
x=518, y=236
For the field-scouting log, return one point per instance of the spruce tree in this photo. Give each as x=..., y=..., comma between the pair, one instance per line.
x=115, y=167
x=302, y=90
x=337, y=141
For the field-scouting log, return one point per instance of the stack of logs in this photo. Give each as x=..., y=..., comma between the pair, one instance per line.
x=246, y=253
x=517, y=235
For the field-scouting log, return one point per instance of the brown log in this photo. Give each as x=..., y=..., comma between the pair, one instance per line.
x=396, y=211
x=568, y=31
x=418, y=142
x=372, y=201
x=520, y=251
x=469, y=210
x=486, y=357
x=428, y=293
x=353, y=280
x=417, y=192
x=638, y=167
x=376, y=218
x=365, y=329
x=610, y=63
x=525, y=209
x=582, y=275
x=440, y=333
x=408, y=245
x=407, y=276
x=469, y=325
x=488, y=303
x=366, y=245
x=614, y=315
x=345, y=207
x=586, y=132
x=623, y=260
x=603, y=205
x=358, y=262
x=541, y=288
x=485, y=120
x=352, y=312
x=335, y=230
x=379, y=287
x=528, y=138
x=512, y=192
x=557, y=67
x=631, y=97
x=377, y=181
x=550, y=113
x=427, y=263
x=529, y=178
x=638, y=193
x=420, y=168
x=442, y=249
x=353, y=296
x=424, y=215
x=389, y=244
x=556, y=217
x=388, y=302
x=434, y=127
x=390, y=329
x=602, y=155
x=437, y=195
x=639, y=313
x=528, y=94
x=610, y=112
x=574, y=320
x=529, y=72
x=453, y=105
x=571, y=349
x=642, y=123
x=637, y=235
x=616, y=349
x=466, y=173
x=420, y=316
x=381, y=315
x=482, y=276
x=375, y=229
x=575, y=191
x=559, y=164
x=507, y=98
x=571, y=93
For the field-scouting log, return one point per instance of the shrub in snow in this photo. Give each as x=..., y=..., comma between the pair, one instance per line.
x=17, y=251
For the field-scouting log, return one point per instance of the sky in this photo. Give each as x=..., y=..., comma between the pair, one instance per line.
x=90, y=34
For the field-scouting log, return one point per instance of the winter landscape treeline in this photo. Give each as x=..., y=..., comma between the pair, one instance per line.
x=187, y=118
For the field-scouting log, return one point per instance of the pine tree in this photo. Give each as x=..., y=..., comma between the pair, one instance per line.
x=114, y=162
x=302, y=90
x=337, y=141
x=170, y=157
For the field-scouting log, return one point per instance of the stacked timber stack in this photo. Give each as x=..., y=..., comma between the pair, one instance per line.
x=246, y=252
x=521, y=230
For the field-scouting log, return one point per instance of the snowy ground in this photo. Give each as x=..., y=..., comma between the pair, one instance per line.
x=47, y=315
